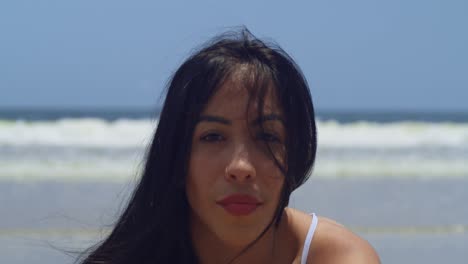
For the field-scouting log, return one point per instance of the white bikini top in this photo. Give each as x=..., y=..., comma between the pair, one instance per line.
x=308, y=240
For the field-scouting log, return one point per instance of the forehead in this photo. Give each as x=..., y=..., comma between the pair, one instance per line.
x=235, y=101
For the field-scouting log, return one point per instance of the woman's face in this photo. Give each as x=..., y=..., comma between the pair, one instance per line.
x=233, y=184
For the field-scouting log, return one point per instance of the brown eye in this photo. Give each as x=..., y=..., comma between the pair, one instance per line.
x=268, y=137
x=212, y=137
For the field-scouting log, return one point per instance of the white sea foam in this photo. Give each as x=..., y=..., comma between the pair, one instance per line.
x=96, y=149
x=392, y=135
x=121, y=170
x=377, y=167
x=38, y=170
x=90, y=132
x=85, y=132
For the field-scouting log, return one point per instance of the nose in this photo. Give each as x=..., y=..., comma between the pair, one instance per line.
x=240, y=168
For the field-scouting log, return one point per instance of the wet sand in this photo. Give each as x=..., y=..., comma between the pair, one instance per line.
x=407, y=221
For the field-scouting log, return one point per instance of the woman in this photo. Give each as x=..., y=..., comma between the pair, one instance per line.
x=235, y=137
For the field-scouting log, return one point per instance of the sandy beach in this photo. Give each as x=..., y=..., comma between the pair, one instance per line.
x=406, y=220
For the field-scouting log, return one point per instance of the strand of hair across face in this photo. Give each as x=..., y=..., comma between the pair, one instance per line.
x=256, y=240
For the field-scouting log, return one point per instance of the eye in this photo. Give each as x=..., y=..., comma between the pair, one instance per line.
x=268, y=137
x=212, y=137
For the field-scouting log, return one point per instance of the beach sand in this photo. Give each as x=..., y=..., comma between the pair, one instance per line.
x=406, y=220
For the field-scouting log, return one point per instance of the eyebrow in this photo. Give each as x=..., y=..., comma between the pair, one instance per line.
x=224, y=121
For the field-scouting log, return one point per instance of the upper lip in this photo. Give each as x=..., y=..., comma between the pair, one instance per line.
x=239, y=198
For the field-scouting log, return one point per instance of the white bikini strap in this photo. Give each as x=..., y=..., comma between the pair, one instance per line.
x=308, y=240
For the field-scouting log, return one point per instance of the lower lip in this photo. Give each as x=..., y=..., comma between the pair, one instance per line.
x=240, y=209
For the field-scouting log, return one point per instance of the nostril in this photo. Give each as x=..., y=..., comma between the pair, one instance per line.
x=239, y=171
x=235, y=177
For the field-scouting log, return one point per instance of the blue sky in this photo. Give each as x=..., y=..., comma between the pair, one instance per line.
x=356, y=55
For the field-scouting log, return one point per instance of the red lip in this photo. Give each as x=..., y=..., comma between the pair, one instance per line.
x=239, y=204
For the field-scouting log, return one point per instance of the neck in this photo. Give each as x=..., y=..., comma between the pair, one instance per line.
x=211, y=249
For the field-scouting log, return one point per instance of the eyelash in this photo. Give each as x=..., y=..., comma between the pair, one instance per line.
x=210, y=135
x=271, y=137
x=268, y=137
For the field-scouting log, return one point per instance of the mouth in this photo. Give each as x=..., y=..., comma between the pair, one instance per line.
x=239, y=204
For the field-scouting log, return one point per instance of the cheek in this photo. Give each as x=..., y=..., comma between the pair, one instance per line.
x=272, y=182
x=275, y=185
x=271, y=173
x=200, y=182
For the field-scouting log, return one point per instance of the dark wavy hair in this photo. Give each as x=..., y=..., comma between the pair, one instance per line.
x=154, y=227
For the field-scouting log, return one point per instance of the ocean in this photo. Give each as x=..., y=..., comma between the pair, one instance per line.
x=110, y=145
x=398, y=179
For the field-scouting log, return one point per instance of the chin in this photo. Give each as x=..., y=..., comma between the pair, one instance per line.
x=239, y=236
x=238, y=240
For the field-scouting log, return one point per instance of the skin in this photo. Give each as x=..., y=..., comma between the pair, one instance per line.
x=229, y=155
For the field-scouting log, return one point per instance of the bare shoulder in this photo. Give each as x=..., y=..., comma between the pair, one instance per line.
x=332, y=242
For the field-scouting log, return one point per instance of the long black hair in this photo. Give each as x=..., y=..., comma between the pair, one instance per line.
x=154, y=227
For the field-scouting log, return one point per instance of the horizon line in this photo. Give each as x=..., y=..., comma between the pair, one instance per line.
x=159, y=107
